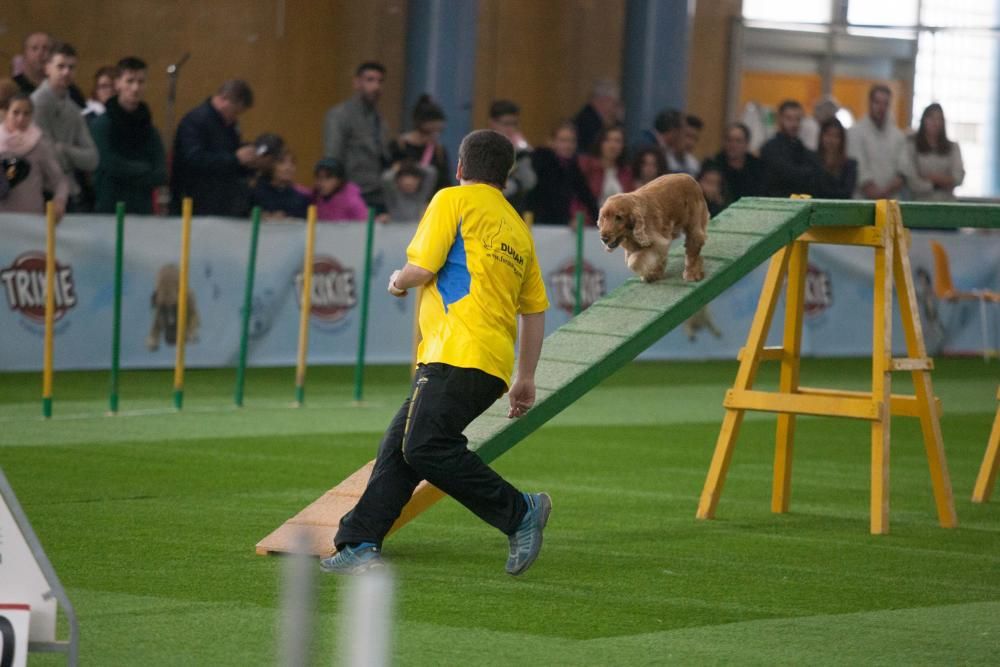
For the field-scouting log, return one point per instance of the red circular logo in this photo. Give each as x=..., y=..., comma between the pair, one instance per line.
x=563, y=281
x=24, y=285
x=333, y=289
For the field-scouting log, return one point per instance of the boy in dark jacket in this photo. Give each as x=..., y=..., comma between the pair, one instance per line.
x=132, y=159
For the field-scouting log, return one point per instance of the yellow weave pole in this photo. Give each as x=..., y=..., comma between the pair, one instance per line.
x=50, y=307
x=991, y=462
x=182, y=301
x=305, y=307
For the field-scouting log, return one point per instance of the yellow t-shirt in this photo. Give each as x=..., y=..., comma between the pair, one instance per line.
x=486, y=273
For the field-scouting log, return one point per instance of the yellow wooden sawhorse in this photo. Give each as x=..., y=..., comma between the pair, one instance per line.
x=991, y=462
x=892, y=267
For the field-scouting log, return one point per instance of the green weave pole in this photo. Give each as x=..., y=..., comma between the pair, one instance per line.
x=359, y=368
x=241, y=368
x=578, y=267
x=116, y=324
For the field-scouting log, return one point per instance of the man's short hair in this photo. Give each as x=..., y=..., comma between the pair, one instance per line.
x=24, y=44
x=409, y=168
x=742, y=127
x=788, y=104
x=8, y=89
x=62, y=49
x=486, y=156
x=693, y=121
x=879, y=88
x=503, y=108
x=132, y=64
x=369, y=65
x=605, y=88
x=667, y=120
x=19, y=96
x=237, y=91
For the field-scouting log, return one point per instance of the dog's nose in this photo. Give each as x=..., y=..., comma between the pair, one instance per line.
x=604, y=240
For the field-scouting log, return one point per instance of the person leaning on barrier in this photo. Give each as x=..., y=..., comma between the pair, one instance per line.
x=742, y=171
x=931, y=163
x=505, y=118
x=210, y=163
x=789, y=167
x=133, y=162
x=22, y=140
x=876, y=143
x=354, y=134
x=60, y=119
x=422, y=145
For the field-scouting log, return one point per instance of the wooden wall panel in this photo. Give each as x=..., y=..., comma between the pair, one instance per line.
x=298, y=55
x=708, y=66
x=546, y=57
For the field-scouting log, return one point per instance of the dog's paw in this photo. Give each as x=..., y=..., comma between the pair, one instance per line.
x=693, y=275
x=152, y=344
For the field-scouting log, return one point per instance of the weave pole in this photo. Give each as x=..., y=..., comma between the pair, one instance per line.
x=305, y=305
x=50, y=307
x=241, y=368
x=359, y=368
x=116, y=322
x=187, y=208
x=578, y=267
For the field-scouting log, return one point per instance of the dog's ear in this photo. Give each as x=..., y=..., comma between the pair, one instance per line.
x=638, y=222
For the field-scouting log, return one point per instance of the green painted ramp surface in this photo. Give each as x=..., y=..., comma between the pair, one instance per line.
x=616, y=329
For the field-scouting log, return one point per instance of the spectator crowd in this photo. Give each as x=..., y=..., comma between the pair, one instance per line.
x=85, y=154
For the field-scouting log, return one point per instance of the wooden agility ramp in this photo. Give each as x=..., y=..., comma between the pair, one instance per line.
x=991, y=462
x=612, y=332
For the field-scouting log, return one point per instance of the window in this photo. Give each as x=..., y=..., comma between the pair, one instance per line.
x=958, y=69
x=789, y=11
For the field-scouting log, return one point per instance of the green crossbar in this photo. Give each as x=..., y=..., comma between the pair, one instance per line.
x=615, y=330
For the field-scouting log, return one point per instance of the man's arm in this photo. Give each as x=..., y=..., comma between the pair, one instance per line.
x=409, y=276
x=82, y=153
x=333, y=134
x=522, y=392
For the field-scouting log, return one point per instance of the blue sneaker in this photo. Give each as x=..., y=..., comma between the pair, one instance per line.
x=353, y=560
x=526, y=541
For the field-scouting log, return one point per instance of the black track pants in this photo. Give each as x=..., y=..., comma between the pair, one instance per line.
x=425, y=441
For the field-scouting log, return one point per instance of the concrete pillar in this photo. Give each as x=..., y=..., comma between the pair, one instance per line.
x=657, y=41
x=441, y=61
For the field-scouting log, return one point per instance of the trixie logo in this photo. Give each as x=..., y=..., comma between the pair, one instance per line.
x=24, y=285
x=819, y=291
x=563, y=281
x=333, y=289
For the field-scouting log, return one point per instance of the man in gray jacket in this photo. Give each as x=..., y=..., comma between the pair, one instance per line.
x=354, y=134
x=61, y=120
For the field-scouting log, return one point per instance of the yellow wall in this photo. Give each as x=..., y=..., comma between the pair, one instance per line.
x=545, y=56
x=708, y=68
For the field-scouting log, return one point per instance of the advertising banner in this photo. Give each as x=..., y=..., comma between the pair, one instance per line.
x=837, y=321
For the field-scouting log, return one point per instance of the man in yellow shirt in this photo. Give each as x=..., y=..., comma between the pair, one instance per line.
x=475, y=258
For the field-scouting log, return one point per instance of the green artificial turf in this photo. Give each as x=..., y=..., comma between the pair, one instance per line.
x=151, y=518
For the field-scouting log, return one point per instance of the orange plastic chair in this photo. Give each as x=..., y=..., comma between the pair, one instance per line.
x=944, y=289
